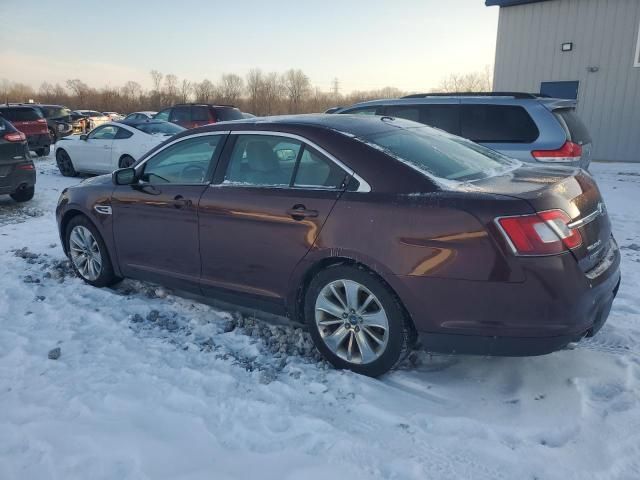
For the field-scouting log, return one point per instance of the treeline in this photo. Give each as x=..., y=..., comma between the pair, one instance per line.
x=258, y=92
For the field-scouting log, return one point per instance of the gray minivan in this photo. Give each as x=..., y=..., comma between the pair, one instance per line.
x=525, y=126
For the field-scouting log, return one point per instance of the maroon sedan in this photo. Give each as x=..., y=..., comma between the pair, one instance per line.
x=374, y=231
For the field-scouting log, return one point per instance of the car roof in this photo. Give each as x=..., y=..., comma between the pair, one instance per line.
x=350, y=125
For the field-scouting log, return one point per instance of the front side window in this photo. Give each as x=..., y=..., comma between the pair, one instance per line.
x=443, y=116
x=439, y=154
x=497, y=124
x=185, y=163
x=262, y=160
x=106, y=132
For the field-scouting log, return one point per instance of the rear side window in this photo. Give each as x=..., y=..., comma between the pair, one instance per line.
x=200, y=114
x=576, y=130
x=497, y=124
x=408, y=112
x=122, y=134
x=21, y=114
x=225, y=114
x=181, y=114
x=444, y=117
x=316, y=171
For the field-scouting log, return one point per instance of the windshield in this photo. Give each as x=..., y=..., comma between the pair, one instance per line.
x=55, y=112
x=440, y=154
x=163, y=128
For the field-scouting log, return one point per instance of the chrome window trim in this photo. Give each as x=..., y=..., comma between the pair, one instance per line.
x=363, y=186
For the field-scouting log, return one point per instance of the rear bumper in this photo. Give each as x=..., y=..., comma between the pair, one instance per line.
x=17, y=178
x=557, y=304
x=39, y=141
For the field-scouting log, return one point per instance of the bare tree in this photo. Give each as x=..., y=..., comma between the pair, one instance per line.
x=131, y=93
x=79, y=89
x=204, y=91
x=186, y=88
x=170, y=89
x=467, y=82
x=271, y=93
x=156, y=78
x=297, y=86
x=255, y=89
x=231, y=88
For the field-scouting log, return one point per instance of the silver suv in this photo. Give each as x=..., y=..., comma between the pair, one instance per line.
x=520, y=125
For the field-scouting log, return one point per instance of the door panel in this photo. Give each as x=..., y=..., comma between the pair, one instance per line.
x=156, y=232
x=252, y=238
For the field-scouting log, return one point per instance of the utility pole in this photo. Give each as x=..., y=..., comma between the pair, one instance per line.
x=335, y=87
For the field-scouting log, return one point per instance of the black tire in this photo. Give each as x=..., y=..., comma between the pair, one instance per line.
x=44, y=151
x=64, y=164
x=126, y=161
x=23, y=194
x=53, y=135
x=106, y=277
x=399, y=329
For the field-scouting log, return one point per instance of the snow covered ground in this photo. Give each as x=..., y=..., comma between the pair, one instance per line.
x=153, y=386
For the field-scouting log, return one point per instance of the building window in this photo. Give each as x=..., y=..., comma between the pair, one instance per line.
x=636, y=59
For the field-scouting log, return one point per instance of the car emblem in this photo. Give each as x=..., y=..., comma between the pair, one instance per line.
x=594, y=245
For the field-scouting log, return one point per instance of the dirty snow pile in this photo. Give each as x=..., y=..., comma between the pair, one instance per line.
x=135, y=382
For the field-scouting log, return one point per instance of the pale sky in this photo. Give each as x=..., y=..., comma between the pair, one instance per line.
x=366, y=44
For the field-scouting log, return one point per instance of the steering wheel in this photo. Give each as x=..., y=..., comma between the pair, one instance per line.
x=193, y=171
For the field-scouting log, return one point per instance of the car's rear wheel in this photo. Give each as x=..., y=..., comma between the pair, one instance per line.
x=126, y=161
x=44, y=151
x=64, y=164
x=23, y=194
x=356, y=321
x=88, y=253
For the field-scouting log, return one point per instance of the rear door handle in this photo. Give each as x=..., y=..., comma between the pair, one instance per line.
x=179, y=201
x=299, y=212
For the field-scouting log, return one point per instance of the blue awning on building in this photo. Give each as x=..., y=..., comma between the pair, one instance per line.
x=509, y=3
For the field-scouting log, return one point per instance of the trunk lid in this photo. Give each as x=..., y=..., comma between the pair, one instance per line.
x=572, y=190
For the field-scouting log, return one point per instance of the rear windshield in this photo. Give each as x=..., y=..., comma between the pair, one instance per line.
x=161, y=128
x=21, y=114
x=441, y=155
x=55, y=112
x=576, y=130
x=228, y=113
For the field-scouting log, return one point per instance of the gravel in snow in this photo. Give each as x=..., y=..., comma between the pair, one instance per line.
x=149, y=385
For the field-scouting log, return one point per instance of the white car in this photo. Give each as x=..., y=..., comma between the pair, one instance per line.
x=139, y=116
x=95, y=118
x=111, y=146
x=113, y=116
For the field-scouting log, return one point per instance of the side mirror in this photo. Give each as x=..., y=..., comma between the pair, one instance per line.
x=83, y=137
x=124, y=176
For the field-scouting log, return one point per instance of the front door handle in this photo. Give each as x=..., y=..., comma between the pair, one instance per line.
x=300, y=212
x=179, y=201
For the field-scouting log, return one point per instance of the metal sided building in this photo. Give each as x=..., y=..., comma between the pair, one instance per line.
x=583, y=49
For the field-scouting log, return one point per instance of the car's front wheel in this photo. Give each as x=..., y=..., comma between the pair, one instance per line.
x=64, y=164
x=88, y=253
x=356, y=321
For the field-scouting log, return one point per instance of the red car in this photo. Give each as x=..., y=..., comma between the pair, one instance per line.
x=192, y=115
x=29, y=120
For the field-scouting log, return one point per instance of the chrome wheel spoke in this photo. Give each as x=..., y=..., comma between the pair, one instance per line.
x=379, y=339
x=343, y=301
x=370, y=298
x=366, y=352
x=351, y=290
x=328, y=306
x=336, y=338
x=377, y=319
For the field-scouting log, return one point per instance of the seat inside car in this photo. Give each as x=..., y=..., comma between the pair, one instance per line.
x=263, y=167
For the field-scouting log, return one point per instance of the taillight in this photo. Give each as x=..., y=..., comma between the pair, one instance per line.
x=15, y=137
x=28, y=166
x=543, y=233
x=569, y=152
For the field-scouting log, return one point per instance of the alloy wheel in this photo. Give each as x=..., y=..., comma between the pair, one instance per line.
x=351, y=321
x=85, y=253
